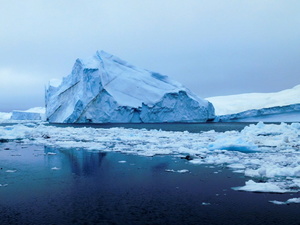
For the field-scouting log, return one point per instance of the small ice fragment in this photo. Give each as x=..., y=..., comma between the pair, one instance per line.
x=177, y=171
x=3, y=185
x=260, y=187
x=183, y=171
x=122, y=161
x=277, y=202
x=206, y=203
x=51, y=153
x=238, y=171
x=11, y=171
x=289, y=201
x=55, y=168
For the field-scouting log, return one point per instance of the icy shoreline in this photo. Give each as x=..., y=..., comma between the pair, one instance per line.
x=267, y=154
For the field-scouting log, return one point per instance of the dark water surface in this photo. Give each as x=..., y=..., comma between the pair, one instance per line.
x=191, y=127
x=44, y=185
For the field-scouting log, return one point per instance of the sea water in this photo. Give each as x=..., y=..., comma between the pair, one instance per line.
x=47, y=185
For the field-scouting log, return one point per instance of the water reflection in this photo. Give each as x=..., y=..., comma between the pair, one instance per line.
x=81, y=162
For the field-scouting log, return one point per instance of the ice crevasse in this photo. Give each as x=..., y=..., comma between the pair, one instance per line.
x=106, y=89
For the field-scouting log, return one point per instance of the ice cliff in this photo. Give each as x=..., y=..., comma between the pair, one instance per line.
x=106, y=89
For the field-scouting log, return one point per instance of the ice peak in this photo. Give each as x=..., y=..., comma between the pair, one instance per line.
x=101, y=53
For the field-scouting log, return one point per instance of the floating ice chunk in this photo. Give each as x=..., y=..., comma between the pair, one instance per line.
x=177, y=171
x=260, y=187
x=3, y=185
x=51, y=153
x=289, y=201
x=236, y=166
x=183, y=171
x=205, y=203
x=277, y=202
x=227, y=141
x=55, y=168
x=11, y=171
x=122, y=161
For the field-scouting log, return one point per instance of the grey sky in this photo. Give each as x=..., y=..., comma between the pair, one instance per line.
x=212, y=47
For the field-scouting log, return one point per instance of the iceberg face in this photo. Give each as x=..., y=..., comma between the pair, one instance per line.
x=106, y=89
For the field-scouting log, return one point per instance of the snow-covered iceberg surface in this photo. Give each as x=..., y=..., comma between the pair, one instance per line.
x=283, y=106
x=106, y=89
x=37, y=113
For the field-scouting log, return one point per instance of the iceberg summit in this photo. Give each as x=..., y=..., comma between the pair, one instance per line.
x=106, y=89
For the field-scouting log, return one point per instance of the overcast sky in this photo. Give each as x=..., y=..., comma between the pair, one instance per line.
x=212, y=47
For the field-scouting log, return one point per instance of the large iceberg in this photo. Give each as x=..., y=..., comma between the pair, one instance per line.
x=106, y=89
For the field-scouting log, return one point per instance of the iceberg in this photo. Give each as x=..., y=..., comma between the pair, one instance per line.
x=106, y=89
x=283, y=106
x=289, y=113
x=233, y=104
x=37, y=113
x=5, y=116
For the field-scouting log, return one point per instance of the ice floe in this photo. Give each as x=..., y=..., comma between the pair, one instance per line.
x=267, y=154
x=11, y=171
x=177, y=171
x=289, y=201
x=55, y=168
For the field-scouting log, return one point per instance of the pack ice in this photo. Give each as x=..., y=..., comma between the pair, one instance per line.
x=106, y=89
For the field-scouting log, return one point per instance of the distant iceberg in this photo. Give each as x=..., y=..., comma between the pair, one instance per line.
x=4, y=116
x=283, y=106
x=106, y=89
x=37, y=113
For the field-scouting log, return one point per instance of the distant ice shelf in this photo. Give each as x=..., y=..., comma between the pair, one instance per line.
x=289, y=113
x=283, y=106
x=232, y=104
